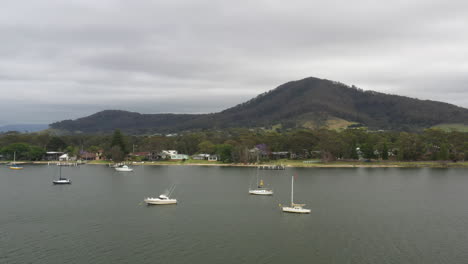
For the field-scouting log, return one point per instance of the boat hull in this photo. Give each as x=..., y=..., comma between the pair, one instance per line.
x=261, y=192
x=62, y=182
x=123, y=169
x=157, y=201
x=16, y=168
x=296, y=210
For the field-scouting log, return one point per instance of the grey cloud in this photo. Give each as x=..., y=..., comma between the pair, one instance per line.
x=66, y=59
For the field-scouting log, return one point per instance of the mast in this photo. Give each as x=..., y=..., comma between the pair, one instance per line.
x=14, y=158
x=60, y=172
x=292, y=190
x=257, y=177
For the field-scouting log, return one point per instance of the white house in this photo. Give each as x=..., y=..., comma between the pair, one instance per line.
x=179, y=157
x=64, y=157
x=201, y=156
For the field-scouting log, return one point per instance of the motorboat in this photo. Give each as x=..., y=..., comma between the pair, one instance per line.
x=123, y=168
x=162, y=199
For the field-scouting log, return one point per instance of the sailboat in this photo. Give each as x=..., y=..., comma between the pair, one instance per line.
x=260, y=190
x=162, y=199
x=14, y=166
x=295, y=208
x=60, y=179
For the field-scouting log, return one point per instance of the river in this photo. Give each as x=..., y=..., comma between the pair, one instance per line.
x=359, y=215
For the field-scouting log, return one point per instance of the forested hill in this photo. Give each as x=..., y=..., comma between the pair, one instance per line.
x=311, y=103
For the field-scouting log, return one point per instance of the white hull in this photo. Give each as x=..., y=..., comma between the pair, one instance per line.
x=160, y=201
x=62, y=182
x=296, y=210
x=123, y=169
x=261, y=192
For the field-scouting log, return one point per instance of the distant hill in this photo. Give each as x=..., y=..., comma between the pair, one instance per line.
x=310, y=103
x=23, y=128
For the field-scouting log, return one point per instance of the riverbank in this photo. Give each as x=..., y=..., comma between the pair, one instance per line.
x=287, y=163
x=307, y=164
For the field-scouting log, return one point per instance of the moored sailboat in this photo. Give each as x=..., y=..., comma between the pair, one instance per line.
x=61, y=180
x=13, y=165
x=260, y=190
x=295, y=208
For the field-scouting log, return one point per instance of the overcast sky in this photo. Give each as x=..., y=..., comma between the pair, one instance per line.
x=68, y=59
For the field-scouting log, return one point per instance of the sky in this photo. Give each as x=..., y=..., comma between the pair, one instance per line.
x=68, y=59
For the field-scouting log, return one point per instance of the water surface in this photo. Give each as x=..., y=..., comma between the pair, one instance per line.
x=359, y=215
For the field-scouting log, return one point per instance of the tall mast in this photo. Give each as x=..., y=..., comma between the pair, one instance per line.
x=257, y=176
x=60, y=172
x=292, y=190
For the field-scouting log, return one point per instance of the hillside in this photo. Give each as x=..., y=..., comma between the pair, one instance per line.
x=310, y=103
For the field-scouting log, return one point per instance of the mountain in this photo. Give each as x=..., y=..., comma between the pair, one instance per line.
x=23, y=128
x=310, y=103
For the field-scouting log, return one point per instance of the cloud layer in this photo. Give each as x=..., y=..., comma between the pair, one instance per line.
x=67, y=59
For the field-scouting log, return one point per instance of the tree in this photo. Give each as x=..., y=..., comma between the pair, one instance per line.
x=72, y=150
x=410, y=147
x=21, y=150
x=119, y=141
x=206, y=146
x=385, y=152
x=35, y=153
x=56, y=144
x=116, y=154
x=224, y=152
x=443, y=153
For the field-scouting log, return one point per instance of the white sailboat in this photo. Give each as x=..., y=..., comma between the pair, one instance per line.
x=260, y=190
x=13, y=165
x=61, y=180
x=123, y=168
x=295, y=208
x=162, y=199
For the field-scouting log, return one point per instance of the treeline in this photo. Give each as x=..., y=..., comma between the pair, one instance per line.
x=247, y=145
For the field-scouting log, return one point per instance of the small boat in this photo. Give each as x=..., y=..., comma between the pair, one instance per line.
x=61, y=180
x=260, y=190
x=162, y=199
x=13, y=165
x=295, y=208
x=123, y=168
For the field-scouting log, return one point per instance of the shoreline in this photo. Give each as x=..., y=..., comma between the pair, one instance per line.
x=289, y=164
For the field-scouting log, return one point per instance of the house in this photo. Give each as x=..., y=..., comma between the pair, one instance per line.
x=213, y=158
x=201, y=156
x=64, y=157
x=207, y=157
x=84, y=155
x=166, y=154
x=280, y=155
x=52, y=155
x=179, y=157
